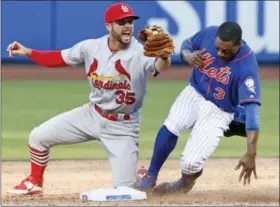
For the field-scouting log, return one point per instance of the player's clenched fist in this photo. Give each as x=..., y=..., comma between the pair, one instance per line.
x=16, y=48
x=195, y=58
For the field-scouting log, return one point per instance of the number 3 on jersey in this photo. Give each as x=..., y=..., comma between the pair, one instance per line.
x=220, y=93
x=125, y=97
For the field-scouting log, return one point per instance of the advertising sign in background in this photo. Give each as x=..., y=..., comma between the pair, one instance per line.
x=49, y=25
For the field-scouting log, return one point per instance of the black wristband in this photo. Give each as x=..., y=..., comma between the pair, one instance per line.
x=155, y=74
x=164, y=58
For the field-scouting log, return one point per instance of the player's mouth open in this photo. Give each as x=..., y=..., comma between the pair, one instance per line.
x=127, y=34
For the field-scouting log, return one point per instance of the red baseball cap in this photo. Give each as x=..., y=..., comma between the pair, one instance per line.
x=119, y=11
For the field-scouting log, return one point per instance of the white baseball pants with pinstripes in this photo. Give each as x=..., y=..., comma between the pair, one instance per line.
x=207, y=122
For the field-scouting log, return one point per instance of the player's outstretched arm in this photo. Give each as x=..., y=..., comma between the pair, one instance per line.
x=51, y=59
x=252, y=130
x=16, y=48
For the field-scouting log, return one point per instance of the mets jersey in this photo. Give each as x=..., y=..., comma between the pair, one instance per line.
x=226, y=84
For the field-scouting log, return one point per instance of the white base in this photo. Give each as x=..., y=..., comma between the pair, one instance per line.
x=113, y=194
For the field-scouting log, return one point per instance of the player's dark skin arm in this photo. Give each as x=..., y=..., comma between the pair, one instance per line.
x=194, y=58
x=252, y=142
x=184, y=55
x=248, y=160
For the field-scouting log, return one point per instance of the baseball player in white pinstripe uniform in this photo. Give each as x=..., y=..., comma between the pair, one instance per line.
x=224, y=82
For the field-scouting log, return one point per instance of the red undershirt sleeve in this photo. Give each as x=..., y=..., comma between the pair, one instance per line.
x=50, y=59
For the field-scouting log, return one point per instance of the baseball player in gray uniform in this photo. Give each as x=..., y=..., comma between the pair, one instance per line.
x=117, y=70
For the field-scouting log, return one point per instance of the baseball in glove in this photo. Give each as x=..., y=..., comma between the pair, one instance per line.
x=157, y=42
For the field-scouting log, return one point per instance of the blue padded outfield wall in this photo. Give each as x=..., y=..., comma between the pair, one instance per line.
x=49, y=25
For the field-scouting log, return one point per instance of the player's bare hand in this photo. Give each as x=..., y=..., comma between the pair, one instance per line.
x=196, y=58
x=248, y=163
x=16, y=48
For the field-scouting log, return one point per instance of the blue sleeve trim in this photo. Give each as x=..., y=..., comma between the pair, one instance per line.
x=252, y=116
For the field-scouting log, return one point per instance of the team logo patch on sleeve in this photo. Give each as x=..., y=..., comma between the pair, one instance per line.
x=250, y=84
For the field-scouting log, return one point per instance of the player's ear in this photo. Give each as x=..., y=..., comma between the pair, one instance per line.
x=239, y=43
x=108, y=27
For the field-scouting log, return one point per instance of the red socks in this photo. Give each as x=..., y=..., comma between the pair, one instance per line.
x=39, y=161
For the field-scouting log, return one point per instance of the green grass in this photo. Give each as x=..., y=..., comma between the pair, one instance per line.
x=26, y=104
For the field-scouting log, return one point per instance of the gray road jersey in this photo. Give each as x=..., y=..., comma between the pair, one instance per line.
x=117, y=81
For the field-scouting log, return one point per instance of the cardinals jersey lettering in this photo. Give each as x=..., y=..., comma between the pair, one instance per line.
x=117, y=81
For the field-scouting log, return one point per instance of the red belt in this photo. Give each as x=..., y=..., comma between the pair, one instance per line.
x=112, y=117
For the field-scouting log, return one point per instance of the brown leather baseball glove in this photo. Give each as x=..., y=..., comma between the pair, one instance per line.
x=157, y=42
